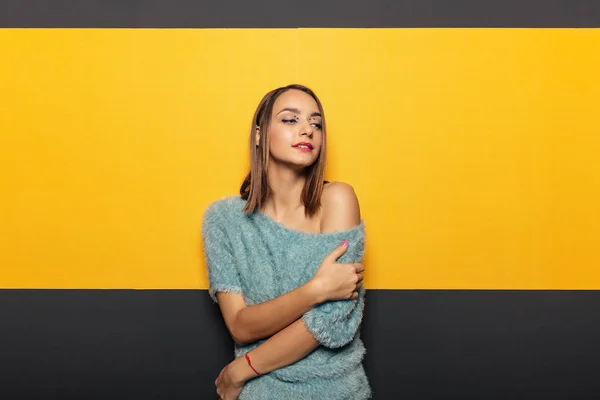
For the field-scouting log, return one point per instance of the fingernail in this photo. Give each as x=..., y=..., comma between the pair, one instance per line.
x=344, y=243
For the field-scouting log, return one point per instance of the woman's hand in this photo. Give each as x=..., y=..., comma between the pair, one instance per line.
x=230, y=381
x=334, y=281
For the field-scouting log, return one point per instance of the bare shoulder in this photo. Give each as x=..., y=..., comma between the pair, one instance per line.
x=340, y=208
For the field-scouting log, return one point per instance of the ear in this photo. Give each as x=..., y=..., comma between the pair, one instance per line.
x=257, y=134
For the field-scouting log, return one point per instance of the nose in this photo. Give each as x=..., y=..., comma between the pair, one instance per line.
x=307, y=130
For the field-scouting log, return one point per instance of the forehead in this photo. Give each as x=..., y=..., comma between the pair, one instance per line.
x=296, y=99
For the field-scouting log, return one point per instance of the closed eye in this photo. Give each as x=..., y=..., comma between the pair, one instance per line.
x=293, y=121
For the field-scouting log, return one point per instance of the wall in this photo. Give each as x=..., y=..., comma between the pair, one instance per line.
x=470, y=139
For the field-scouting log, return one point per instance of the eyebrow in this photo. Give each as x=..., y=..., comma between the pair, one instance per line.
x=296, y=111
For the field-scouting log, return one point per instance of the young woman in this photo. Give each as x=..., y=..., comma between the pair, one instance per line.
x=284, y=263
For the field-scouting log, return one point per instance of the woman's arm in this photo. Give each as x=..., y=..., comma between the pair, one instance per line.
x=247, y=324
x=250, y=323
x=295, y=341
x=335, y=323
x=284, y=348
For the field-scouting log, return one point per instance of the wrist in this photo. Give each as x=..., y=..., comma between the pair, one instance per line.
x=241, y=371
x=314, y=292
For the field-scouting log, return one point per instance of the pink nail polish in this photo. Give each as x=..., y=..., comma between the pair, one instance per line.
x=344, y=243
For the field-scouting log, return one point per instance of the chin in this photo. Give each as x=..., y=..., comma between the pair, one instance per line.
x=296, y=163
x=296, y=166
x=306, y=164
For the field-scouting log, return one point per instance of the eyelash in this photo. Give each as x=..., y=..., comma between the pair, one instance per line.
x=317, y=125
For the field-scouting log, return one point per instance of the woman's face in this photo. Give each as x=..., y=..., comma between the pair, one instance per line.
x=295, y=130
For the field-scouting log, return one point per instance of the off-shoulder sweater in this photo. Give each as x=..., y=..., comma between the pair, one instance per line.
x=262, y=259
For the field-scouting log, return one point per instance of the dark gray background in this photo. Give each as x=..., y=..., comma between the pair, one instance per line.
x=171, y=344
x=292, y=14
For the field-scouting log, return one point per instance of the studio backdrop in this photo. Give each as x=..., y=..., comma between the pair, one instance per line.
x=468, y=129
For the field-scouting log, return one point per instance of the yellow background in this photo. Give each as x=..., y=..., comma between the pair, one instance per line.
x=473, y=151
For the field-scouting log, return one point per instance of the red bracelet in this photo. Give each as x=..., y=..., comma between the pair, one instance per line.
x=250, y=364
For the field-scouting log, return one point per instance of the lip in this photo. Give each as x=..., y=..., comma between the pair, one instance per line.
x=308, y=145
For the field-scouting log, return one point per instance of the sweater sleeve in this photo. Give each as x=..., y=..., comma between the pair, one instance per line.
x=335, y=323
x=220, y=264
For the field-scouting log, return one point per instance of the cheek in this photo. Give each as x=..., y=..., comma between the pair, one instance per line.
x=318, y=141
x=277, y=140
x=280, y=136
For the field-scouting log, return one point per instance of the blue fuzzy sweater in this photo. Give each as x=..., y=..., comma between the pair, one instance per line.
x=262, y=259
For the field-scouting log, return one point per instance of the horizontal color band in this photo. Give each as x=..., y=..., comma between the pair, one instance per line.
x=311, y=13
x=473, y=151
x=420, y=344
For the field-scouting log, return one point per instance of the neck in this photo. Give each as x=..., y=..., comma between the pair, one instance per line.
x=285, y=191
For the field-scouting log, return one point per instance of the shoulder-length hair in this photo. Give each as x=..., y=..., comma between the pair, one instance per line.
x=255, y=188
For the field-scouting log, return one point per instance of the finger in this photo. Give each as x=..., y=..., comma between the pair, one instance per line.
x=355, y=295
x=360, y=277
x=358, y=267
x=338, y=251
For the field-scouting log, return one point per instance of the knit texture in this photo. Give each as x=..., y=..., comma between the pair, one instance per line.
x=262, y=259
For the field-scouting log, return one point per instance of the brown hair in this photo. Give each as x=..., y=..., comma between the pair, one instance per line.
x=255, y=188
